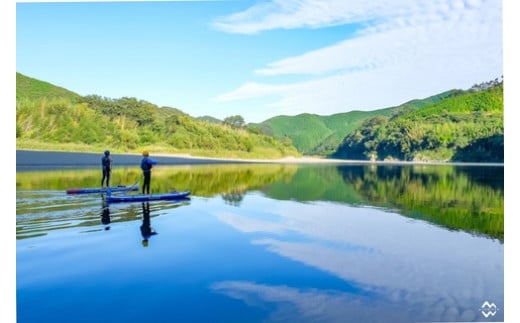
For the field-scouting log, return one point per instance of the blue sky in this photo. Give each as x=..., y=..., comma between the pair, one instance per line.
x=261, y=59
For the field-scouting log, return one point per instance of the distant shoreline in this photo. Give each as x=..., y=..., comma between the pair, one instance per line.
x=45, y=160
x=317, y=160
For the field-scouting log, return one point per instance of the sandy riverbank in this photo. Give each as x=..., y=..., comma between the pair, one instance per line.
x=317, y=160
x=286, y=160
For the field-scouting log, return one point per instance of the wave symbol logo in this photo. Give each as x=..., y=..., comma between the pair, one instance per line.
x=488, y=309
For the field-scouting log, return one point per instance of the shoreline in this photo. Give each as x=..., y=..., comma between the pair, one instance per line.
x=317, y=160
x=42, y=158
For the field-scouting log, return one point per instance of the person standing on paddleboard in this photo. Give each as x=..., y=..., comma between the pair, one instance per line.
x=106, y=166
x=146, y=165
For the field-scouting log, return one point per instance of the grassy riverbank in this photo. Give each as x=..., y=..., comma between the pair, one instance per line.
x=257, y=153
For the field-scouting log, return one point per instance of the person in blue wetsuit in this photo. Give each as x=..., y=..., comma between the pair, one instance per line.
x=106, y=167
x=146, y=165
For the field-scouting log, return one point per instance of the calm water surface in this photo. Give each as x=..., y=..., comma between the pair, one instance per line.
x=265, y=243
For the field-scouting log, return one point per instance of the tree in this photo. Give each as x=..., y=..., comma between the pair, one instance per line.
x=236, y=121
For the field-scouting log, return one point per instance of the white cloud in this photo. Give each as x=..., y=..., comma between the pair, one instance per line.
x=289, y=14
x=429, y=36
x=405, y=50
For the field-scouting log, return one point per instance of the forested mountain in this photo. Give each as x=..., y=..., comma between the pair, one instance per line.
x=456, y=125
x=320, y=135
x=49, y=117
x=467, y=127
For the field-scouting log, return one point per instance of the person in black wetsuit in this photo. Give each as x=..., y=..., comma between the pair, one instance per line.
x=106, y=167
x=146, y=165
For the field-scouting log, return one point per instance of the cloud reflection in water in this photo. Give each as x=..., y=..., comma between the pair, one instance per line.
x=411, y=269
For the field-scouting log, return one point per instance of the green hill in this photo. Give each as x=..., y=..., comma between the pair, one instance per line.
x=53, y=118
x=468, y=126
x=455, y=125
x=320, y=135
x=31, y=89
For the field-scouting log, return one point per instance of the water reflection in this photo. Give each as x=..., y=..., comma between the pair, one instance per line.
x=468, y=198
x=316, y=244
x=235, y=197
x=458, y=198
x=105, y=214
x=405, y=270
x=146, y=230
x=314, y=305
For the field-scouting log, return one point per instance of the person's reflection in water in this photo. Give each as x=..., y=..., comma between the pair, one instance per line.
x=146, y=229
x=105, y=215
